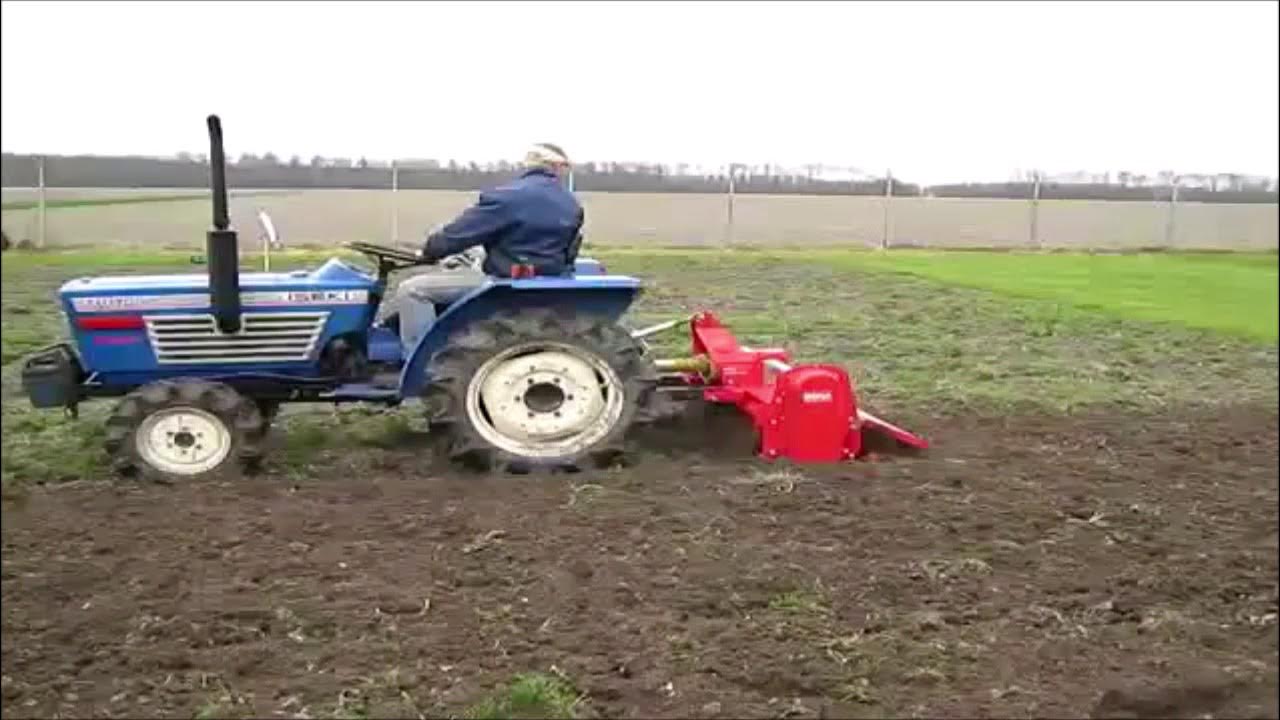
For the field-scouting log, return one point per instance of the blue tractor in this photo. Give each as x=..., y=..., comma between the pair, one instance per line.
x=519, y=374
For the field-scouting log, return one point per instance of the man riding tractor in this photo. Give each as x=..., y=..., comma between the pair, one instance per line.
x=527, y=227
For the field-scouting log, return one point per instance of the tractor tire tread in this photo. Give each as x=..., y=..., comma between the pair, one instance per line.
x=450, y=371
x=242, y=416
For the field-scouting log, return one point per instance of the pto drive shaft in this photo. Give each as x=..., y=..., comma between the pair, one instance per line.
x=700, y=365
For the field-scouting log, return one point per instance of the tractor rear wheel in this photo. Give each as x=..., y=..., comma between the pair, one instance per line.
x=182, y=430
x=532, y=390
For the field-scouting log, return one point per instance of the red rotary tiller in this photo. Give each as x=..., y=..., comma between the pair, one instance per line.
x=805, y=413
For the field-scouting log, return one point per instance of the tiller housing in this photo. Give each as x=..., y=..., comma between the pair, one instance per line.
x=805, y=413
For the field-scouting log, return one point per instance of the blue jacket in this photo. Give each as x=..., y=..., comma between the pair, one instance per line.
x=532, y=220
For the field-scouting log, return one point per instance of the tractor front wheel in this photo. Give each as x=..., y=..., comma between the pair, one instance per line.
x=172, y=431
x=535, y=391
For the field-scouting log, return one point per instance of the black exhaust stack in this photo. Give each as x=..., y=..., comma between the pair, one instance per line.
x=222, y=248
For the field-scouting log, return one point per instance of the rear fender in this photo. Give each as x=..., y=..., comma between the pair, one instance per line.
x=602, y=296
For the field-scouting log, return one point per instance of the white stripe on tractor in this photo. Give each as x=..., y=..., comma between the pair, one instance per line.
x=299, y=298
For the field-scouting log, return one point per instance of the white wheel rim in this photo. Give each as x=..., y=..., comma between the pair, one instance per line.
x=183, y=440
x=544, y=400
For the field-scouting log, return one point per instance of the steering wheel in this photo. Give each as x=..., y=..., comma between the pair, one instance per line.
x=388, y=256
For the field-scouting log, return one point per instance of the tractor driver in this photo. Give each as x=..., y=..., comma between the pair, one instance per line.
x=529, y=226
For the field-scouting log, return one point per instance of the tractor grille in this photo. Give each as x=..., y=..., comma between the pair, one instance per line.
x=262, y=338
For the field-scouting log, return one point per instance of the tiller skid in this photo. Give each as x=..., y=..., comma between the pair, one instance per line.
x=804, y=413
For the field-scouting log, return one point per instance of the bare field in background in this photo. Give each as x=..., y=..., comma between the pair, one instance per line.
x=328, y=217
x=21, y=194
x=11, y=194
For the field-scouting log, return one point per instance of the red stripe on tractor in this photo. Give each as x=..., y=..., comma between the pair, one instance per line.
x=110, y=322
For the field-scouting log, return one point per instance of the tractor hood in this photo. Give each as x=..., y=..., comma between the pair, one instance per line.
x=128, y=328
x=334, y=279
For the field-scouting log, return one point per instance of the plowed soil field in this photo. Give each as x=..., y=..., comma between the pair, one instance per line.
x=1115, y=558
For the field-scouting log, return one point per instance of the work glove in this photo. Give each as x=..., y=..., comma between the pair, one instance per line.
x=423, y=255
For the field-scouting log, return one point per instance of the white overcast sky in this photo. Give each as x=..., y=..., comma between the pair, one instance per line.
x=935, y=91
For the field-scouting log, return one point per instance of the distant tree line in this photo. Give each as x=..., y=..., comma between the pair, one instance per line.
x=270, y=172
x=1100, y=191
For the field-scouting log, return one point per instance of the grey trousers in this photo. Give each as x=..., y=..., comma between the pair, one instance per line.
x=417, y=297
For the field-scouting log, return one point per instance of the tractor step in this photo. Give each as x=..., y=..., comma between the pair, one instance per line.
x=386, y=379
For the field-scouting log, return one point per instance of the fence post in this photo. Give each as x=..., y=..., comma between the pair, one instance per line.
x=395, y=202
x=888, y=201
x=729, y=209
x=40, y=215
x=1169, y=225
x=1035, y=209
